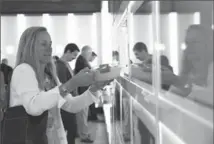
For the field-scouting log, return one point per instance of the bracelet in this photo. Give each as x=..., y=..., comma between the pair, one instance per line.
x=63, y=91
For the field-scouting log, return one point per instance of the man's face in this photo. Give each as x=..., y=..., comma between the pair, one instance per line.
x=116, y=57
x=141, y=55
x=88, y=54
x=71, y=55
x=92, y=58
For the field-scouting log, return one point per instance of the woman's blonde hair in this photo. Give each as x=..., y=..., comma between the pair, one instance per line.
x=27, y=53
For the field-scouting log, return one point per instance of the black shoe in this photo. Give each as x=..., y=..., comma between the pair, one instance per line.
x=126, y=139
x=87, y=140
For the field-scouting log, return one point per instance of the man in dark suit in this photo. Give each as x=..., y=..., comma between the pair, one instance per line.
x=65, y=73
x=7, y=71
x=82, y=117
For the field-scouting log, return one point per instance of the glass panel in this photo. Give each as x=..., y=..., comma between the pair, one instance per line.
x=142, y=84
x=186, y=102
x=126, y=111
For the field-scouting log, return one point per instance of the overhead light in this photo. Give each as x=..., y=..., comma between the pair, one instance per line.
x=151, y=36
x=173, y=40
x=71, y=28
x=46, y=20
x=94, y=31
x=183, y=46
x=106, y=21
x=10, y=49
x=130, y=5
x=47, y=23
x=21, y=25
x=3, y=56
x=131, y=31
x=104, y=6
x=197, y=18
x=159, y=47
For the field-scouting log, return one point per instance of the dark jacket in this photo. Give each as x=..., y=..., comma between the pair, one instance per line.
x=2, y=94
x=81, y=63
x=68, y=119
x=7, y=71
x=62, y=71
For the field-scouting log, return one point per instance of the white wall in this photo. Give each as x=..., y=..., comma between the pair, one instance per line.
x=81, y=29
x=106, y=24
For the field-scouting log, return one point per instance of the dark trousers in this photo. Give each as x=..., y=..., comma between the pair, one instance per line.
x=69, y=122
x=117, y=104
x=92, y=112
x=20, y=128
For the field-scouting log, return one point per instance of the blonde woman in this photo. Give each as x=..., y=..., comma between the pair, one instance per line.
x=35, y=91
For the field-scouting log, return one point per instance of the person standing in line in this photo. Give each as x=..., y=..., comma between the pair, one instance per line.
x=82, y=117
x=7, y=71
x=65, y=73
x=2, y=99
x=55, y=58
x=116, y=58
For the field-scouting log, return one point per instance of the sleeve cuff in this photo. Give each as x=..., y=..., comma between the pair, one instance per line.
x=61, y=100
x=94, y=98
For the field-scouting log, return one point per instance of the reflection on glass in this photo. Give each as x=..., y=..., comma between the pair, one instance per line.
x=181, y=112
x=126, y=129
x=186, y=110
x=141, y=55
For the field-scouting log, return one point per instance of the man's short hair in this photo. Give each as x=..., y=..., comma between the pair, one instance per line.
x=94, y=54
x=140, y=46
x=72, y=47
x=56, y=57
x=164, y=60
x=115, y=53
x=85, y=48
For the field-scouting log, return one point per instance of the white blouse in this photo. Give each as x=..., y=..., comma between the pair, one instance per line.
x=25, y=92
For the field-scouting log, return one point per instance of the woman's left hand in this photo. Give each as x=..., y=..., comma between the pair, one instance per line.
x=99, y=85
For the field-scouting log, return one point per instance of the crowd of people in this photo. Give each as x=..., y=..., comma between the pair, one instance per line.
x=43, y=100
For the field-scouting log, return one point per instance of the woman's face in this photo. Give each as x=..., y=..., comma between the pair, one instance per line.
x=44, y=47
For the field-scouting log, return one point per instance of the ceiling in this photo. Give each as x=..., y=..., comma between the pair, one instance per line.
x=90, y=6
x=176, y=6
x=50, y=6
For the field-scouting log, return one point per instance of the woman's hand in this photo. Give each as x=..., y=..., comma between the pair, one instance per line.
x=84, y=78
x=99, y=85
